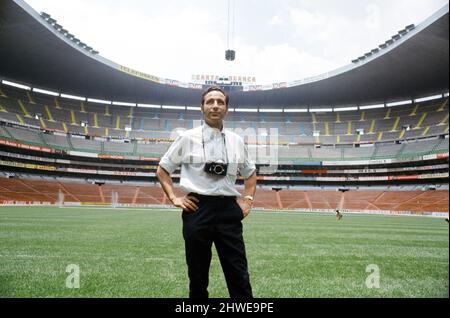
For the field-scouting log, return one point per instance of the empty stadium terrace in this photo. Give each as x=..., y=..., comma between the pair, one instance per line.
x=369, y=136
x=402, y=167
x=46, y=191
x=63, y=124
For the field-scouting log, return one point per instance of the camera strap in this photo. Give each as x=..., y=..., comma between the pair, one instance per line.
x=224, y=144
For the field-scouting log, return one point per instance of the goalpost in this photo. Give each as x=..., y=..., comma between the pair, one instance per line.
x=60, y=201
x=114, y=199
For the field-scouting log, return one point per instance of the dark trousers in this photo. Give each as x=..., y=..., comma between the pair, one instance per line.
x=217, y=220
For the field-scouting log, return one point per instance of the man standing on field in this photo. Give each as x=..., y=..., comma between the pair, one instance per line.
x=210, y=158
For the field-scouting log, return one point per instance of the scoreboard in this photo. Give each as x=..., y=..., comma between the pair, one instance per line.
x=228, y=83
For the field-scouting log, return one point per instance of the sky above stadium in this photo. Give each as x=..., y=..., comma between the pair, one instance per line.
x=274, y=40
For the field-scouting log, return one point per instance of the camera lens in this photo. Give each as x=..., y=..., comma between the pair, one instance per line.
x=218, y=169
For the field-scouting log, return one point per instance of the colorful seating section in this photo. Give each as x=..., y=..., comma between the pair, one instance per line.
x=56, y=123
x=13, y=189
x=338, y=130
x=424, y=119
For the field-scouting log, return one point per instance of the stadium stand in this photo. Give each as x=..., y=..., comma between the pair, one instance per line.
x=47, y=191
x=424, y=120
x=392, y=158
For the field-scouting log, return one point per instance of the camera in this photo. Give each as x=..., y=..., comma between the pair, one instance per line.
x=216, y=168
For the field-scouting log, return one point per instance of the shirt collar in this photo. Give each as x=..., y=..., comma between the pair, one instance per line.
x=211, y=131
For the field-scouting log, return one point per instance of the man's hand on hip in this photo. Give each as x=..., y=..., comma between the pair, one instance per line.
x=187, y=203
x=246, y=206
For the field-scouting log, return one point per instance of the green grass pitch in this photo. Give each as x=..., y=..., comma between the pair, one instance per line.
x=140, y=253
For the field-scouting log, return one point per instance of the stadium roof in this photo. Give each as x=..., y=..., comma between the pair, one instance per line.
x=412, y=65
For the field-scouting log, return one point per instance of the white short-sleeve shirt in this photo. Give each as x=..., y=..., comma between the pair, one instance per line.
x=188, y=152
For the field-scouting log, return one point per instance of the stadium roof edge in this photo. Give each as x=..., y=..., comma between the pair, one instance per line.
x=363, y=82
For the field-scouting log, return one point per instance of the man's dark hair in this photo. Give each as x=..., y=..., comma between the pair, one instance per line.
x=215, y=88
